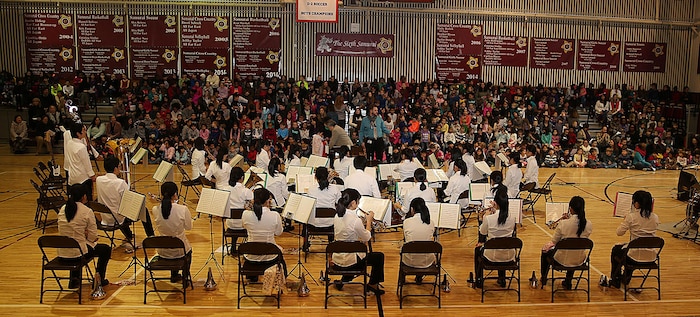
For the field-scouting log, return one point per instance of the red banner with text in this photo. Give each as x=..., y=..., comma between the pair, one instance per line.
x=354, y=44
x=552, y=53
x=205, y=32
x=50, y=44
x=153, y=31
x=96, y=30
x=458, y=50
x=202, y=60
x=598, y=55
x=257, y=44
x=645, y=57
x=148, y=62
x=505, y=50
x=95, y=60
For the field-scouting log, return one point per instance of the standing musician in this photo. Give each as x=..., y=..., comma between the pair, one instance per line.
x=642, y=222
x=348, y=227
x=513, y=175
x=173, y=219
x=77, y=221
x=420, y=190
x=277, y=182
x=263, y=158
x=326, y=197
x=199, y=168
x=238, y=198
x=78, y=160
x=364, y=183
x=468, y=158
x=418, y=227
x=220, y=170
x=407, y=167
x=458, y=183
x=573, y=225
x=343, y=162
x=496, y=224
x=532, y=170
x=262, y=225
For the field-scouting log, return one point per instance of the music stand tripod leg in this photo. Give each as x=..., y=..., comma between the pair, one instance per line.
x=135, y=262
x=299, y=264
x=212, y=256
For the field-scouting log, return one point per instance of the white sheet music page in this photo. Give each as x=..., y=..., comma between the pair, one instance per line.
x=449, y=216
x=378, y=205
x=477, y=191
x=304, y=183
x=436, y=175
x=162, y=171
x=515, y=209
x=554, y=211
x=386, y=170
x=213, y=202
x=139, y=155
x=483, y=167
x=299, y=208
x=623, y=204
x=434, y=210
x=131, y=205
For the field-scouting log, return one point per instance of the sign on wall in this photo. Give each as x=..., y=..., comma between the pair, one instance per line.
x=645, y=57
x=353, y=44
x=552, y=53
x=458, y=50
x=317, y=11
x=599, y=55
x=505, y=50
x=50, y=44
x=257, y=45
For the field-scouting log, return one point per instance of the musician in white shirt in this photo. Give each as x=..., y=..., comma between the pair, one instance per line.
x=418, y=227
x=458, y=183
x=474, y=173
x=198, y=159
x=364, y=183
x=326, y=197
x=421, y=190
x=496, y=224
x=347, y=226
x=343, y=162
x=173, y=219
x=263, y=158
x=77, y=221
x=220, y=170
x=238, y=198
x=532, y=170
x=262, y=225
x=407, y=167
x=277, y=183
x=78, y=160
x=513, y=176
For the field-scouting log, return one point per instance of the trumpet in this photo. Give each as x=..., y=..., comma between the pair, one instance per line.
x=252, y=180
x=377, y=225
x=553, y=225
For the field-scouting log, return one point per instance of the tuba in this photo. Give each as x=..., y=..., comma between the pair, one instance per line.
x=252, y=180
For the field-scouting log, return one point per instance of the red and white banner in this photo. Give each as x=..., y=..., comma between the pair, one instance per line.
x=257, y=44
x=153, y=31
x=201, y=61
x=317, y=11
x=552, y=53
x=458, y=49
x=101, y=30
x=352, y=44
x=48, y=30
x=209, y=32
x=153, y=62
x=505, y=50
x=645, y=57
x=458, y=67
x=95, y=60
x=599, y=55
x=60, y=61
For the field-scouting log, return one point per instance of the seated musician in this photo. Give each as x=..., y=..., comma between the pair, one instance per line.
x=418, y=227
x=496, y=224
x=238, y=199
x=262, y=225
x=407, y=167
x=641, y=222
x=220, y=170
x=532, y=169
x=343, y=162
x=513, y=175
x=173, y=219
x=277, y=183
x=77, y=221
x=572, y=225
x=199, y=168
x=326, y=197
x=458, y=183
x=420, y=190
x=348, y=227
x=364, y=183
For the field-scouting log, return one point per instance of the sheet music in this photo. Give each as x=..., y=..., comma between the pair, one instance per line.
x=436, y=175
x=449, y=216
x=504, y=159
x=371, y=171
x=139, y=155
x=486, y=203
x=299, y=208
x=477, y=191
x=136, y=144
x=386, y=170
x=317, y=161
x=623, y=204
x=213, y=202
x=432, y=161
x=415, y=160
x=162, y=172
x=554, y=211
x=237, y=159
x=132, y=205
x=483, y=167
x=303, y=160
x=304, y=183
x=293, y=171
x=378, y=205
x=402, y=189
x=515, y=209
x=434, y=210
x=256, y=170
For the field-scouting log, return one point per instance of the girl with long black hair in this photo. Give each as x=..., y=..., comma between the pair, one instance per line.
x=421, y=189
x=418, y=227
x=219, y=169
x=496, y=224
x=173, y=219
x=262, y=225
x=277, y=183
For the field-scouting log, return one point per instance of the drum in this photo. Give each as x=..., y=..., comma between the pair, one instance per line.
x=692, y=212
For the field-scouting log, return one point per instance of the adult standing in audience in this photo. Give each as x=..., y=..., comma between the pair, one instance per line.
x=338, y=139
x=372, y=131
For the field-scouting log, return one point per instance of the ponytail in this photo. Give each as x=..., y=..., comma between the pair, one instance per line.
x=419, y=207
x=220, y=157
x=419, y=176
x=167, y=191
x=236, y=175
x=578, y=205
x=322, y=177
x=273, y=167
x=645, y=202
x=77, y=192
x=342, y=152
x=501, y=199
x=346, y=197
x=260, y=197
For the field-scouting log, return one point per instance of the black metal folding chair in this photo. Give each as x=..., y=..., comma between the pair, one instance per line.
x=420, y=248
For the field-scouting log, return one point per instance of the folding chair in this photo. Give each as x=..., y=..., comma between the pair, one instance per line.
x=52, y=185
x=643, y=255
x=505, y=244
x=44, y=204
x=578, y=252
x=332, y=269
x=534, y=194
x=311, y=230
x=157, y=263
x=420, y=248
x=44, y=169
x=188, y=183
x=62, y=243
x=253, y=268
x=109, y=230
x=467, y=211
x=232, y=233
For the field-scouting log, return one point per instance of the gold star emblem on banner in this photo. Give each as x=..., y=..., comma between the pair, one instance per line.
x=658, y=50
x=273, y=57
x=169, y=55
x=385, y=45
x=567, y=46
x=65, y=21
x=220, y=61
x=118, y=20
x=118, y=54
x=476, y=30
x=473, y=62
x=274, y=23
x=521, y=42
x=614, y=49
x=170, y=21
x=66, y=54
x=221, y=24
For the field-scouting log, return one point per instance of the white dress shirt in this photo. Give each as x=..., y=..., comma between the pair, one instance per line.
x=457, y=184
x=198, y=167
x=492, y=229
x=263, y=230
x=406, y=169
x=567, y=228
x=363, y=183
x=110, y=189
x=428, y=195
x=474, y=173
x=262, y=160
x=237, y=200
x=326, y=198
x=177, y=223
x=82, y=228
x=639, y=226
x=278, y=187
x=349, y=228
x=513, y=177
x=66, y=138
x=532, y=171
x=222, y=174
x=78, y=162
x=342, y=167
x=415, y=230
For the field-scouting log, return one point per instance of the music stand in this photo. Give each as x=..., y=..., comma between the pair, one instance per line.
x=214, y=203
x=449, y=229
x=132, y=206
x=293, y=211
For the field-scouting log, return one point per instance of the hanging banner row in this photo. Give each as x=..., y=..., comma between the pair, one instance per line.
x=146, y=46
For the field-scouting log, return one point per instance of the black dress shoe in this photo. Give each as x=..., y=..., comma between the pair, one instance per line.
x=543, y=282
x=419, y=280
x=501, y=282
x=375, y=289
x=338, y=285
x=105, y=282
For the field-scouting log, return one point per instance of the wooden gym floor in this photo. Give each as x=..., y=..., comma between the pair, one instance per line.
x=20, y=261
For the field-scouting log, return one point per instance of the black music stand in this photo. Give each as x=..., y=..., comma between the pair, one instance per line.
x=212, y=255
x=135, y=261
x=299, y=264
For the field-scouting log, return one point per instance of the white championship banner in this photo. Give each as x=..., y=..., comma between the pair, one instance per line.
x=317, y=11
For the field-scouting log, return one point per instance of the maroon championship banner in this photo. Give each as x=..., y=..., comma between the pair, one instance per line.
x=360, y=45
x=458, y=39
x=598, y=55
x=256, y=33
x=205, y=32
x=101, y=30
x=147, y=62
x=645, y=57
x=60, y=61
x=505, y=51
x=48, y=30
x=552, y=53
x=201, y=61
x=95, y=60
x=153, y=31
x=457, y=67
x=257, y=63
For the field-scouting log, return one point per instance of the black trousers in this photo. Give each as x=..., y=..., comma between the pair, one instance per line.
x=545, y=261
x=88, y=186
x=617, y=257
x=375, y=260
x=103, y=252
x=147, y=226
x=479, y=266
x=284, y=265
x=374, y=148
x=188, y=263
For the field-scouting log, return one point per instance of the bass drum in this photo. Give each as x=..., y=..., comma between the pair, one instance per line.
x=692, y=212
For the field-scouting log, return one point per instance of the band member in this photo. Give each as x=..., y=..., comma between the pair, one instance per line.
x=219, y=169
x=642, y=222
x=173, y=219
x=326, y=197
x=238, y=198
x=199, y=168
x=420, y=190
x=496, y=224
x=77, y=221
x=513, y=175
x=364, y=183
x=263, y=158
x=348, y=227
x=372, y=130
x=468, y=158
x=532, y=170
x=262, y=225
x=78, y=160
x=407, y=167
x=418, y=227
x=573, y=225
x=277, y=182
x=458, y=183
x=343, y=162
